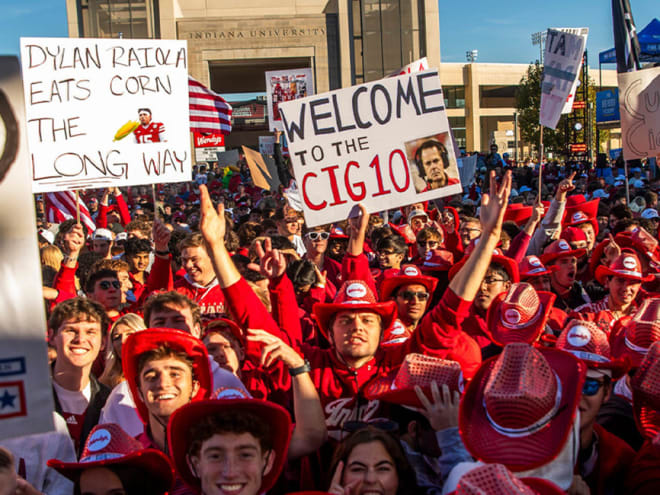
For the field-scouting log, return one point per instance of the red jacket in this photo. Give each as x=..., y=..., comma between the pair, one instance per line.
x=614, y=458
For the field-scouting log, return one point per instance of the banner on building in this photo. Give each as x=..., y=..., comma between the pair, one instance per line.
x=105, y=112
x=563, y=56
x=286, y=85
x=639, y=102
x=385, y=144
x=26, y=395
x=607, y=106
x=584, y=32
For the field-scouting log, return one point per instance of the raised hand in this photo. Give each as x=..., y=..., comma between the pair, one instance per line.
x=161, y=235
x=442, y=413
x=274, y=348
x=73, y=241
x=212, y=222
x=272, y=261
x=359, y=224
x=493, y=203
x=336, y=487
x=564, y=187
x=611, y=251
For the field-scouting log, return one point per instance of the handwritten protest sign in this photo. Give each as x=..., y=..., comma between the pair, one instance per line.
x=584, y=32
x=417, y=66
x=104, y=113
x=639, y=102
x=26, y=396
x=384, y=143
x=563, y=56
x=286, y=85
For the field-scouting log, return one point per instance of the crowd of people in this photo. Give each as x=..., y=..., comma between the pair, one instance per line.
x=204, y=340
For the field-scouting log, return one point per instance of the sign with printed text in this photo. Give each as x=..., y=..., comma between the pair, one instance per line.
x=385, y=143
x=286, y=85
x=639, y=102
x=208, y=140
x=607, y=106
x=569, y=106
x=26, y=394
x=563, y=56
x=105, y=112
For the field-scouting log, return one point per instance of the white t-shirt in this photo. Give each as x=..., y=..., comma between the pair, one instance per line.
x=73, y=401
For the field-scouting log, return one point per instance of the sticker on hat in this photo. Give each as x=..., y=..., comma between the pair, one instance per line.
x=99, y=440
x=512, y=316
x=412, y=271
x=629, y=263
x=397, y=329
x=356, y=290
x=578, y=216
x=534, y=261
x=429, y=255
x=578, y=336
x=226, y=393
x=564, y=245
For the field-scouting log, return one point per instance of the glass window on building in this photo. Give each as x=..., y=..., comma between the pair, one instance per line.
x=386, y=35
x=454, y=96
x=118, y=18
x=457, y=125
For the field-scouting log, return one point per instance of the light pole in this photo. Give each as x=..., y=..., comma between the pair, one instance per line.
x=471, y=55
x=539, y=39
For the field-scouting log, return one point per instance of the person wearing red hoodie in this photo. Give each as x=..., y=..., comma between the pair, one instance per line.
x=355, y=322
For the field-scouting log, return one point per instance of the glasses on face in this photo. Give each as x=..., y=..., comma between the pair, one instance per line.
x=591, y=386
x=386, y=252
x=408, y=295
x=428, y=244
x=492, y=280
x=106, y=284
x=315, y=236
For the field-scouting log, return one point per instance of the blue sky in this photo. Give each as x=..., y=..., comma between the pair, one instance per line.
x=499, y=30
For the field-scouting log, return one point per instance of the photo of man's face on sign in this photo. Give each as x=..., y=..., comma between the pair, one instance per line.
x=431, y=165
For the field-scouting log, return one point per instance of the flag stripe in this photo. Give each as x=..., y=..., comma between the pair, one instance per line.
x=61, y=206
x=209, y=112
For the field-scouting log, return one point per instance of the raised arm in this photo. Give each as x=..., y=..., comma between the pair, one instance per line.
x=467, y=281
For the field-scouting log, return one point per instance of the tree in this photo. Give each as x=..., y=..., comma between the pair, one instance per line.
x=528, y=103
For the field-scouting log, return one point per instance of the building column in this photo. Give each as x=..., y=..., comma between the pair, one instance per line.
x=344, y=43
x=472, y=109
x=432, y=21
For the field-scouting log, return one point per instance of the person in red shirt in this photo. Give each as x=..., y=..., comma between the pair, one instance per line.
x=148, y=131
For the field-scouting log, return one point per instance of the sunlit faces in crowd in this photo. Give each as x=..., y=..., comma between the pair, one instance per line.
x=469, y=229
x=174, y=315
x=197, y=264
x=224, y=348
x=356, y=335
x=622, y=291
x=564, y=277
x=411, y=301
x=495, y=282
x=77, y=341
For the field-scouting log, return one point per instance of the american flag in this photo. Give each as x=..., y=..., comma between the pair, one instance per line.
x=209, y=112
x=626, y=43
x=61, y=206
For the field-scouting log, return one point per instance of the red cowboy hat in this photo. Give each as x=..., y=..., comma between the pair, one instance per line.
x=496, y=479
x=643, y=242
x=560, y=249
x=532, y=267
x=398, y=386
x=573, y=234
x=193, y=413
x=408, y=274
x=520, y=406
x=109, y=445
x=354, y=295
x=646, y=393
x=588, y=342
x=626, y=265
x=636, y=335
x=438, y=260
x=222, y=323
x=518, y=213
x=578, y=218
x=507, y=263
x=577, y=202
x=596, y=255
x=519, y=315
x=150, y=339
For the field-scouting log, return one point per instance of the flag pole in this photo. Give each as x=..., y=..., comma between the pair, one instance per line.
x=153, y=195
x=540, y=163
x=77, y=206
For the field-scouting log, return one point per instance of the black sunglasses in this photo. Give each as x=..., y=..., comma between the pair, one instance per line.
x=106, y=284
x=408, y=295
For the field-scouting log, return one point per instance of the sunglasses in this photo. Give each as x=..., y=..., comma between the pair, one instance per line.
x=408, y=295
x=315, y=236
x=591, y=386
x=106, y=284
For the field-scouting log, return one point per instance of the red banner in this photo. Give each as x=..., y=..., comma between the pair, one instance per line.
x=208, y=140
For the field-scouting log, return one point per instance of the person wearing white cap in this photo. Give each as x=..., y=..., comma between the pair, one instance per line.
x=650, y=213
x=102, y=240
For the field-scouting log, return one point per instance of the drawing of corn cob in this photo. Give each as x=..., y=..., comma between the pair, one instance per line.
x=126, y=129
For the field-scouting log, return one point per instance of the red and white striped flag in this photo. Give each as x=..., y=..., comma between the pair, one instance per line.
x=209, y=112
x=61, y=206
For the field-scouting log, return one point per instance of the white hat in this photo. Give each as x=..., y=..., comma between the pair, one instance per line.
x=102, y=234
x=122, y=236
x=650, y=213
x=48, y=235
x=417, y=213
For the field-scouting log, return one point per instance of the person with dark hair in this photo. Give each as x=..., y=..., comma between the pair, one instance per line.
x=104, y=287
x=432, y=161
x=371, y=460
x=137, y=253
x=76, y=329
x=391, y=251
x=148, y=131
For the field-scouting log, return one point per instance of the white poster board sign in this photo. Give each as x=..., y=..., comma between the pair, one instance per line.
x=417, y=66
x=26, y=395
x=385, y=144
x=584, y=32
x=563, y=56
x=639, y=104
x=267, y=145
x=106, y=112
x=286, y=85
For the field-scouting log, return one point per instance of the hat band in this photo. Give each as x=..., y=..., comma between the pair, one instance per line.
x=101, y=457
x=630, y=273
x=533, y=428
x=636, y=348
x=537, y=270
x=589, y=356
x=511, y=326
x=428, y=263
